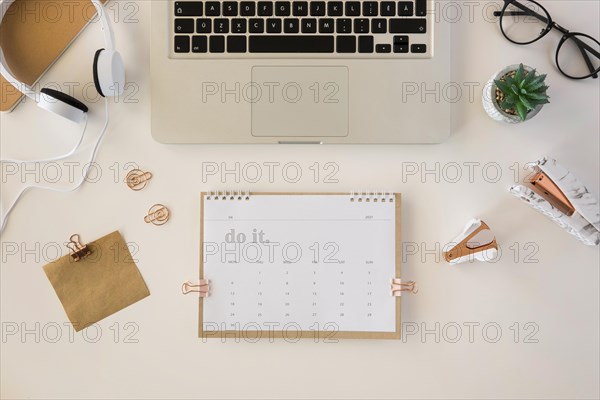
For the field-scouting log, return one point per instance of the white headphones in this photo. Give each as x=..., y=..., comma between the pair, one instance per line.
x=108, y=70
x=109, y=79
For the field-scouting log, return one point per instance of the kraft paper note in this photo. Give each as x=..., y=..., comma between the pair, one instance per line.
x=99, y=285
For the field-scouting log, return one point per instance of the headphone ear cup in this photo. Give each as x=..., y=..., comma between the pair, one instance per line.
x=62, y=104
x=109, y=73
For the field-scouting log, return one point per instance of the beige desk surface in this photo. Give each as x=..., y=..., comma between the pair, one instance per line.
x=526, y=326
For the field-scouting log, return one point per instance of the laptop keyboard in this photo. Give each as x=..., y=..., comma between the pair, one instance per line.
x=321, y=29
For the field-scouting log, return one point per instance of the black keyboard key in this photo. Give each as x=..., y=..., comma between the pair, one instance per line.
x=236, y=44
x=370, y=8
x=182, y=44
x=343, y=25
x=383, y=48
x=199, y=44
x=221, y=25
x=388, y=9
x=309, y=25
x=184, y=25
x=402, y=39
x=282, y=8
x=346, y=44
x=274, y=25
x=418, y=48
x=257, y=25
x=335, y=8
x=203, y=25
x=421, y=8
x=408, y=25
x=291, y=25
x=379, y=25
x=352, y=8
x=317, y=8
x=188, y=8
x=213, y=8
x=265, y=8
x=217, y=44
x=400, y=48
x=247, y=8
x=238, y=25
x=326, y=25
x=300, y=8
x=405, y=8
x=230, y=9
x=365, y=44
x=361, y=25
x=291, y=44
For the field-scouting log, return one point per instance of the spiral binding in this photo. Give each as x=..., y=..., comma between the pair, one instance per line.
x=371, y=197
x=228, y=195
x=355, y=196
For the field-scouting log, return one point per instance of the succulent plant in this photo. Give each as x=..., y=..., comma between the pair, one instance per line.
x=522, y=91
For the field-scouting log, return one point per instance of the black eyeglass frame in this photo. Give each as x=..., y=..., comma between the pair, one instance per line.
x=551, y=24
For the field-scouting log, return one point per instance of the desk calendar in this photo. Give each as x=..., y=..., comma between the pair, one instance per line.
x=300, y=265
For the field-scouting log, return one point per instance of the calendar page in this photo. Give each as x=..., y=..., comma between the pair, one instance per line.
x=300, y=264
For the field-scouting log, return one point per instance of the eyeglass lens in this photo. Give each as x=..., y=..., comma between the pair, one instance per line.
x=578, y=56
x=524, y=21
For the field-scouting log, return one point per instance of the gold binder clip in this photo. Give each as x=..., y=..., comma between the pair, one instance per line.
x=137, y=179
x=202, y=288
x=158, y=214
x=398, y=287
x=476, y=242
x=78, y=250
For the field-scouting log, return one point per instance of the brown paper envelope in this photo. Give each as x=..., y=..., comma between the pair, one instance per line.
x=34, y=34
x=98, y=285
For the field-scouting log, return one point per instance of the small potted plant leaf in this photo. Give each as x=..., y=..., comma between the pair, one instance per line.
x=515, y=94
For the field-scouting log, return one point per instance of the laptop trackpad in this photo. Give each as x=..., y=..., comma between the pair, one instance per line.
x=299, y=101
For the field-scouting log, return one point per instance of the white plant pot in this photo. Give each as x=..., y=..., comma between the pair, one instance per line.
x=491, y=106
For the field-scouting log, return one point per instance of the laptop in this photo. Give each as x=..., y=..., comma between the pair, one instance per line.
x=299, y=72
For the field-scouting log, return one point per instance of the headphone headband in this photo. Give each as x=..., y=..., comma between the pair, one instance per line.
x=109, y=40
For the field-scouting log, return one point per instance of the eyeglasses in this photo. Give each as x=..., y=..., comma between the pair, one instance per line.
x=524, y=22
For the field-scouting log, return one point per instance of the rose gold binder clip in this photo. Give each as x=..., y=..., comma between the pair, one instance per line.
x=202, y=288
x=78, y=250
x=137, y=179
x=157, y=214
x=398, y=287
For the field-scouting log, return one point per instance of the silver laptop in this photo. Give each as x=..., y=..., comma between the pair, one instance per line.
x=299, y=72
